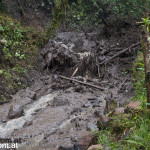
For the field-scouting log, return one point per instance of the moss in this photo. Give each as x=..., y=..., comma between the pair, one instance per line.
x=120, y=123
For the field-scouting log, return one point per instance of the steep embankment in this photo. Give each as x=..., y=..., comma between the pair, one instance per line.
x=18, y=53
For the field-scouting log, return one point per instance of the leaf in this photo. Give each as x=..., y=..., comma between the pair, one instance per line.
x=141, y=64
x=1, y=71
x=134, y=142
x=1, y=28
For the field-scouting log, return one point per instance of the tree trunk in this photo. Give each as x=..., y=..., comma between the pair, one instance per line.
x=146, y=53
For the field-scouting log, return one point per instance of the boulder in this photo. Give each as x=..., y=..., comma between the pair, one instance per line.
x=85, y=142
x=96, y=147
x=15, y=112
x=134, y=105
x=119, y=110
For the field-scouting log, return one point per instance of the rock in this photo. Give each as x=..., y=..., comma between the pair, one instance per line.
x=85, y=142
x=15, y=112
x=65, y=148
x=87, y=105
x=103, y=121
x=101, y=58
x=30, y=94
x=78, y=88
x=134, y=105
x=58, y=101
x=92, y=127
x=48, y=59
x=96, y=147
x=4, y=120
x=119, y=110
x=54, y=85
x=28, y=123
x=92, y=98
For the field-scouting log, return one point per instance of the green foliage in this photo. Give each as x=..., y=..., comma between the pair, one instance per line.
x=146, y=23
x=138, y=123
x=58, y=13
x=3, y=8
x=18, y=48
x=90, y=12
x=140, y=137
x=139, y=78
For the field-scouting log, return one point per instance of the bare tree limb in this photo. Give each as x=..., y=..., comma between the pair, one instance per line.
x=123, y=51
x=88, y=84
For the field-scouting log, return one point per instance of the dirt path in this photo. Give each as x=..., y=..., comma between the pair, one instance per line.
x=54, y=112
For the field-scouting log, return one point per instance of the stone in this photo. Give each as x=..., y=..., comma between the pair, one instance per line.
x=28, y=123
x=4, y=120
x=30, y=94
x=134, y=105
x=96, y=147
x=101, y=58
x=103, y=122
x=119, y=110
x=15, y=112
x=92, y=98
x=85, y=142
x=48, y=59
x=59, y=101
x=78, y=88
x=92, y=127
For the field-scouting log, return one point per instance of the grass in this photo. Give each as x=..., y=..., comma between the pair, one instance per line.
x=138, y=123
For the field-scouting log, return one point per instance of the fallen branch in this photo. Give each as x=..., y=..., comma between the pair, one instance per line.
x=74, y=72
x=88, y=84
x=125, y=50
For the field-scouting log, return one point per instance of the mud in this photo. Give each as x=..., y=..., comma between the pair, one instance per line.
x=58, y=112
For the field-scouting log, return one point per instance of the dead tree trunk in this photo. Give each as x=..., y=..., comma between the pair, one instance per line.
x=146, y=53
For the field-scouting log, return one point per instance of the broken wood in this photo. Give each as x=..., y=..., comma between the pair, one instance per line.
x=74, y=72
x=84, y=83
x=118, y=54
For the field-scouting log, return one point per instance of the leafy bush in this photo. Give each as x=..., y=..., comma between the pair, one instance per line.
x=90, y=12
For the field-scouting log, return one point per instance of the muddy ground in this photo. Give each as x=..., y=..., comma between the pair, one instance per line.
x=55, y=113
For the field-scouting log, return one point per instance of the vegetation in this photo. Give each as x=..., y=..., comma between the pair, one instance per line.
x=58, y=13
x=136, y=123
x=18, y=49
x=91, y=14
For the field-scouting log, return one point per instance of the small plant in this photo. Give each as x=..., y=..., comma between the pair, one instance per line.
x=146, y=23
